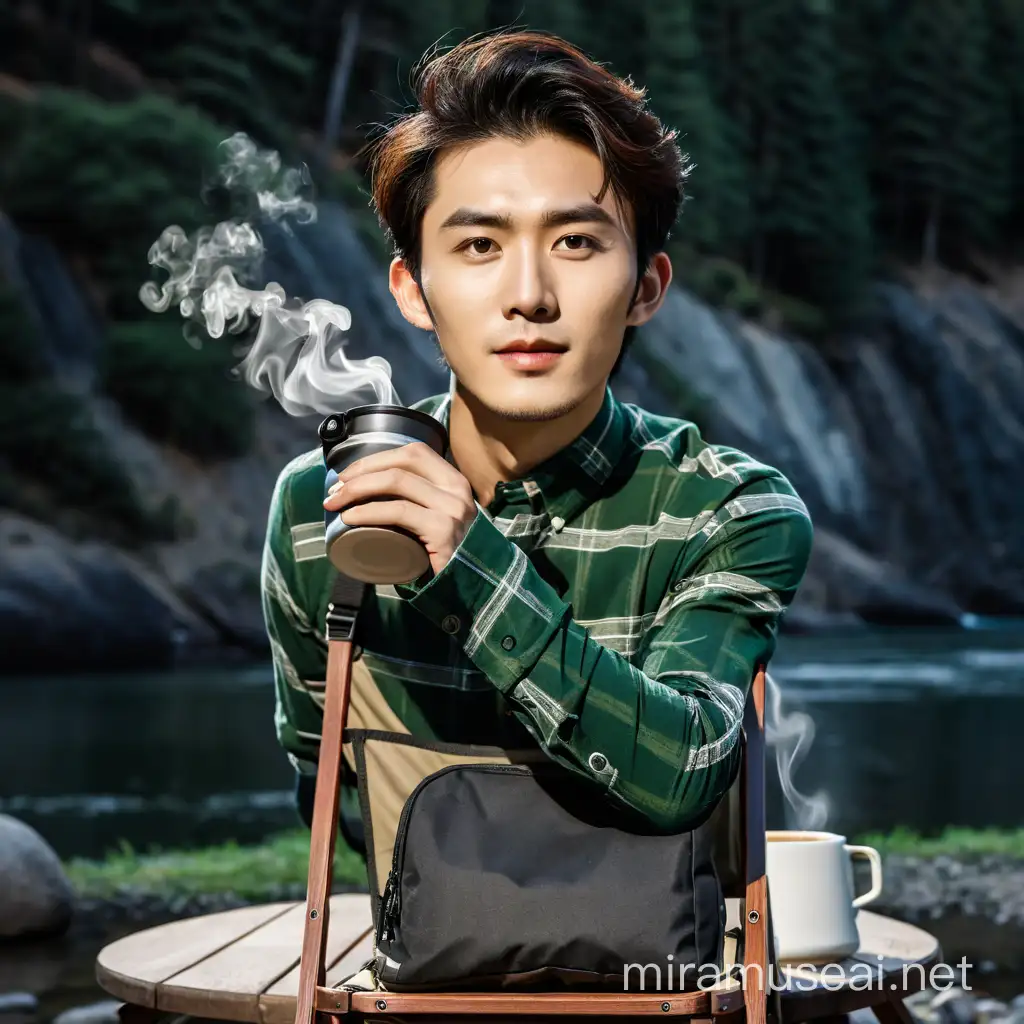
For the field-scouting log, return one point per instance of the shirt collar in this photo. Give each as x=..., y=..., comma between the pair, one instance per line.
x=571, y=479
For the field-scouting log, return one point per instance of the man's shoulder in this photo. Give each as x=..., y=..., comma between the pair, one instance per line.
x=300, y=485
x=700, y=474
x=708, y=495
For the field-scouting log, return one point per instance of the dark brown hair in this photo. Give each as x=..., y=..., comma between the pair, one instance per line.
x=519, y=84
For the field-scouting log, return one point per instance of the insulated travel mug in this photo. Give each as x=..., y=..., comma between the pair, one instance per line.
x=374, y=554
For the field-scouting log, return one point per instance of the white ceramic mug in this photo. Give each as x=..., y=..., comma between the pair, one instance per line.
x=810, y=889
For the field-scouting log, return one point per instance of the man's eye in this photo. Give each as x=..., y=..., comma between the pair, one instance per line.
x=578, y=243
x=480, y=245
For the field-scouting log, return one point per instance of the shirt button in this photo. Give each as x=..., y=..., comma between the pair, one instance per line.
x=598, y=762
x=508, y=642
x=557, y=522
x=450, y=623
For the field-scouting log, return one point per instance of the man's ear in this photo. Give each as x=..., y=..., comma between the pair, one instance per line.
x=653, y=287
x=408, y=294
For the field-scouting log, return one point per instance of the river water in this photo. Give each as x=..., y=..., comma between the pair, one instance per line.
x=915, y=728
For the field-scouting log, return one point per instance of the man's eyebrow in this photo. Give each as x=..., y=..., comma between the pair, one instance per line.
x=464, y=217
x=583, y=213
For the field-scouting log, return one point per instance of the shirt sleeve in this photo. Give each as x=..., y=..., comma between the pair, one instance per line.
x=661, y=730
x=298, y=649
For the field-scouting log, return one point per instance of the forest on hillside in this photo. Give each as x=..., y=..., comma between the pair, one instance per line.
x=833, y=142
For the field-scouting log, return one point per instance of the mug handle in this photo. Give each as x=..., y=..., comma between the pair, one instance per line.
x=876, y=872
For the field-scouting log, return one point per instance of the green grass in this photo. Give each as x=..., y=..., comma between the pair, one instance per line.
x=251, y=872
x=261, y=872
x=956, y=842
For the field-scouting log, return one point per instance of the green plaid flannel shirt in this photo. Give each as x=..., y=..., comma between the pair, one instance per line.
x=611, y=606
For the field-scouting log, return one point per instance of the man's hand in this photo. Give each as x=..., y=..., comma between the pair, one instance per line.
x=412, y=487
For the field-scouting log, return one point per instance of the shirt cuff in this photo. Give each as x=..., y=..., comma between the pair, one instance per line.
x=491, y=597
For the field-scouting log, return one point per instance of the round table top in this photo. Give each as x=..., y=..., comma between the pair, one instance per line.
x=244, y=964
x=894, y=959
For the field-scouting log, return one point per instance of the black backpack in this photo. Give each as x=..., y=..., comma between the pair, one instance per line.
x=508, y=871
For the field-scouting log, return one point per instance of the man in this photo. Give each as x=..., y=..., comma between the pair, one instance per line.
x=602, y=580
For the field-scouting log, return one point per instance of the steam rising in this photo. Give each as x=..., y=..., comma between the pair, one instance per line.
x=791, y=735
x=297, y=353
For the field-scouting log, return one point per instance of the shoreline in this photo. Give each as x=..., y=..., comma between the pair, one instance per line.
x=250, y=652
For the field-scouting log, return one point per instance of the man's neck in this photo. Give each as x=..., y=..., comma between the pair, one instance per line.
x=488, y=448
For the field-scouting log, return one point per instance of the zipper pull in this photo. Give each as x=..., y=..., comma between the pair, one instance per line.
x=392, y=915
x=395, y=896
x=385, y=906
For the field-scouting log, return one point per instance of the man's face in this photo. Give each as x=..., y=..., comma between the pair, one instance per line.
x=515, y=250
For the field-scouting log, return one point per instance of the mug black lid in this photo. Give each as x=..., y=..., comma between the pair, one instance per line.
x=349, y=421
x=384, y=410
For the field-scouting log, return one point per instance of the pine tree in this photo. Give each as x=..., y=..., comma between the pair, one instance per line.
x=946, y=140
x=816, y=215
x=228, y=58
x=442, y=22
x=985, y=144
x=860, y=30
x=618, y=38
x=574, y=20
x=1005, y=59
x=715, y=216
x=403, y=35
x=775, y=73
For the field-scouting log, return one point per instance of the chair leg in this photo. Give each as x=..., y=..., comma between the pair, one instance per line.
x=312, y=965
x=757, y=962
x=893, y=1011
x=757, y=958
x=132, y=1013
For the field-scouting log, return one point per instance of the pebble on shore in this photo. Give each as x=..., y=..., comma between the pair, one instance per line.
x=921, y=889
x=957, y=1005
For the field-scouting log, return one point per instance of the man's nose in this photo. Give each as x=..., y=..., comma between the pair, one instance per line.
x=529, y=288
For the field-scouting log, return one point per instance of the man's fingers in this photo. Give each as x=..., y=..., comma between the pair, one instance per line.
x=420, y=521
x=416, y=457
x=397, y=483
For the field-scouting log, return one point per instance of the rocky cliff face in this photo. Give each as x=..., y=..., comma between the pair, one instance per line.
x=909, y=451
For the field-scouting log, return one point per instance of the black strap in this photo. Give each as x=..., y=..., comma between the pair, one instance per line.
x=347, y=597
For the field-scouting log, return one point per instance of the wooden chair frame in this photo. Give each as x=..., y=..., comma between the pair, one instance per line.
x=314, y=997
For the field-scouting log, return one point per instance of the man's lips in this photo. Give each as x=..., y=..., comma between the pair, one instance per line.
x=530, y=359
x=531, y=346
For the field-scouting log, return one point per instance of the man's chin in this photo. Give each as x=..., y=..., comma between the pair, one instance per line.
x=527, y=401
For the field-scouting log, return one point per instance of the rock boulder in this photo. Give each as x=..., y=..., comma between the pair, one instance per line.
x=36, y=897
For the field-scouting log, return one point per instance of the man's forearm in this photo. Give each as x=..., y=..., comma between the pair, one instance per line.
x=667, y=749
x=661, y=735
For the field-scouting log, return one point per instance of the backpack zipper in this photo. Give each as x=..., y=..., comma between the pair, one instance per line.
x=390, y=904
